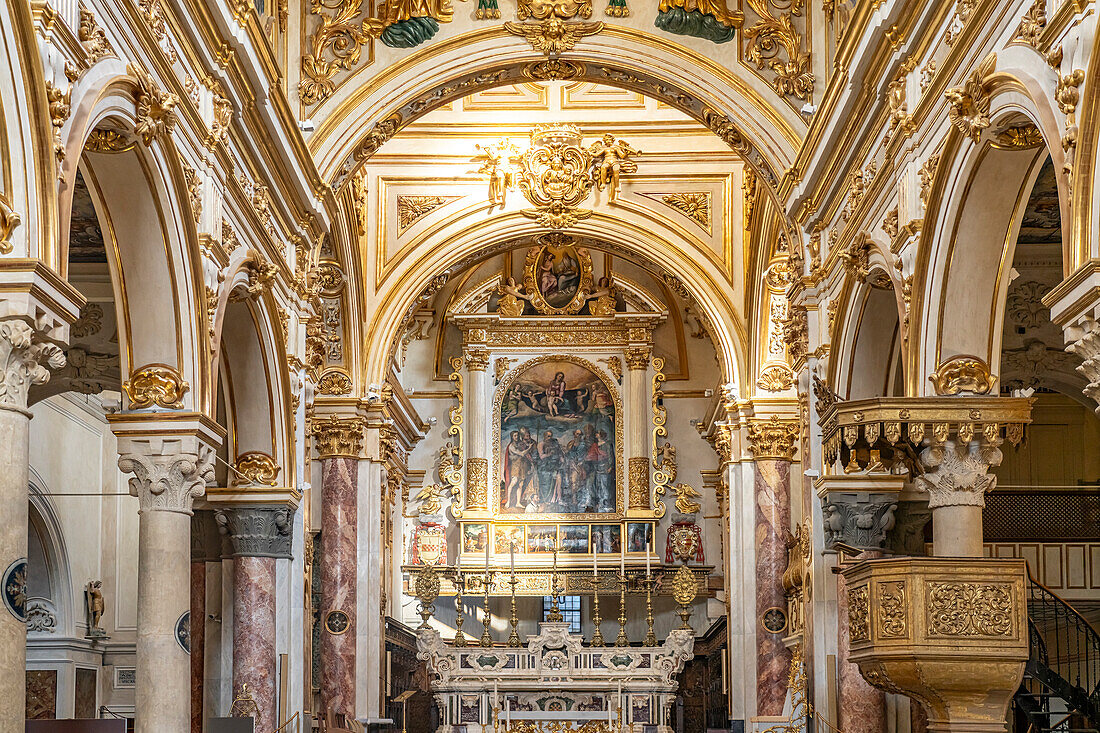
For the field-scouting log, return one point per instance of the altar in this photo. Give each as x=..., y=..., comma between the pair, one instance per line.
x=554, y=683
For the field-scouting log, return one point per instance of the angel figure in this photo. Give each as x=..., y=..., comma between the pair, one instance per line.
x=498, y=166
x=603, y=299
x=611, y=157
x=94, y=594
x=512, y=298
x=431, y=499
x=685, y=499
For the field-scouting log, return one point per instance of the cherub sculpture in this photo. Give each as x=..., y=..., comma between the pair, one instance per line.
x=512, y=298
x=610, y=158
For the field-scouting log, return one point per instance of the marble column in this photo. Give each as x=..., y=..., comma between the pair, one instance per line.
x=861, y=707
x=205, y=547
x=25, y=360
x=172, y=461
x=339, y=443
x=478, y=392
x=639, y=492
x=773, y=443
x=258, y=536
x=957, y=478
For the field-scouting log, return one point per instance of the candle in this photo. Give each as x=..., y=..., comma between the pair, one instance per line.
x=648, y=545
x=512, y=556
x=594, y=573
x=486, y=556
x=622, y=562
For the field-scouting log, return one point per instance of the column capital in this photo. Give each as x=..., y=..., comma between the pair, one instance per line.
x=957, y=474
x=477, y=358
x=860, y=520
x=637, y=358
x=774, y=438
x=26, y=357
x=170, y=454
x=335, y=436
x=257, y=531
x=207, y=543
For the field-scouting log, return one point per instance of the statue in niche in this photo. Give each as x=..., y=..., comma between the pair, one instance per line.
x=93, y=594
x=512, y=298
x=602, y=299
x=611, y=157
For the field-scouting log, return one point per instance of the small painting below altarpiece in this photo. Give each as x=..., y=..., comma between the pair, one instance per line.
x=558, y=442
x=570, y=539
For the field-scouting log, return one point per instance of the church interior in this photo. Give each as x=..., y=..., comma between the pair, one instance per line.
x=549, y=366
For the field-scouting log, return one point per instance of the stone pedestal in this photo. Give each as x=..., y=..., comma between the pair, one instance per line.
x=773, y=445
x=952, y=634
x=25, y=360
x=172, y=458
x=339, y=443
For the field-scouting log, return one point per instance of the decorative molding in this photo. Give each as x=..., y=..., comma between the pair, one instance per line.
x=968, y=105
x=194, y=191
x=477, y=483
x=155, y=385
x=411, y=208
x=92, y=37
x=9, y=220
x=334, y=382
x=553, y=37
x=774, y=36
x=773, y=439
x=169, y=474
x=1033, y=24
x=638, y=483
x=694, y=205
x=775, y=378
x=962, y=374
x=155, y=108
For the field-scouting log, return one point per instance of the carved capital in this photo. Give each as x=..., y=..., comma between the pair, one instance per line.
x=334, y=436
x=170, y=472
x=858, y=519
x=637, y=358
x=1087, y=347
x=958, y=474
x=773, y=438
x=257, y=531
x=477, y=360
x=26, y=359
x=207, y=543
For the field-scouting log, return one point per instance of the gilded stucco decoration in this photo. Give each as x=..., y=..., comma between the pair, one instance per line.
x=775, y=43
x=664, y=455
x=1033, y=24
x=451, y=455
x=431, y=499
x=335, y=45
x=775, y=378
x=695, y=205
x=553, y=36
x=194, y=191
x=92, y=37
x=927, y=174
x=60, y=107
x=155, y=108
x=1067, y=94
x=968, y=105
x=9, y=220
x=1019, y=137
x=962, y=374
x=969, y=609
x=255, y=468
x=334, y=382
x=335, y=436
x=155, y=385
x=410, y=209
x=775, y=438
x=107, y=140
x=638, y=489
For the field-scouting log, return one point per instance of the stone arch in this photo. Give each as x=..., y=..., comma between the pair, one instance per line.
x=757, y=123
x=141, y=201
x=870, y=352
x=45, y=528
x=460, y=246
x=967, y=243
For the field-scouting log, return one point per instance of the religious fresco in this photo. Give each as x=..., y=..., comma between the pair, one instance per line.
x=556, y=446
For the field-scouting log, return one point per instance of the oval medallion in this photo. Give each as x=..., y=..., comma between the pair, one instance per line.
x=15, y=589
x=183, y=631
x=336, y=622
x=774, y=620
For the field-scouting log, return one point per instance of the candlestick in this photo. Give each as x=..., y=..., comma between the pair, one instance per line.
x=597, y=635
x=622, y=639
x=650, y=637
x=486, y=637
x=460, y=638
x=513, y=638
x=555, y=614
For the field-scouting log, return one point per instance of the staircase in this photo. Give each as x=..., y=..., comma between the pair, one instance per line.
x=1061, y=687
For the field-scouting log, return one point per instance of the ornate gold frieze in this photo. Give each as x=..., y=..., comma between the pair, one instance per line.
x=968, y=105
x=256, y=468
x=552, y=36
x=638, y=492
x=477, y=483
x=155, y=108
x=774, y=438
x=962, y=373
x=338, y=437
x=155, y=385
x=60, y=107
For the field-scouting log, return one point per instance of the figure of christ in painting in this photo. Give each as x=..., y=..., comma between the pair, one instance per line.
x=560, y=458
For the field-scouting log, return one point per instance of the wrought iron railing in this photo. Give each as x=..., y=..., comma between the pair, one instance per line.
x=1065, y=655
x=1042, y=514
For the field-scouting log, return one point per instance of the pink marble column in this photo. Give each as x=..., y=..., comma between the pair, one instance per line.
x=862, y=707
x=198, y=641
x=772, y=488
x=254, y=635
x=339, y=564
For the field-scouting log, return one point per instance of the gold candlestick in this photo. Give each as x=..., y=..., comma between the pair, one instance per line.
x=513, y=638
x=597, y=635
x=650, y=637
x=622, y=639
x=555, y=614
x=486, y=637
x=460, y=638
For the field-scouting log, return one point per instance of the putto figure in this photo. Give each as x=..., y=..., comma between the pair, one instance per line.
x=610, y=158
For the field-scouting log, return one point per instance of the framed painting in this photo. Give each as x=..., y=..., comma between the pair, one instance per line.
x=506, y=535
x=558, y=442
x=542, y=537
x=639, y=536
x=574, y=538
x=607, y=538
x=474, y=537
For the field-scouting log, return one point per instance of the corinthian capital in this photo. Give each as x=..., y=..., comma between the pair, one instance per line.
x=257, y=531
x=169, y=472
x=26, y=359
x=334, y=436
x=1087, y=347
x=957, y=474
x=773, y=438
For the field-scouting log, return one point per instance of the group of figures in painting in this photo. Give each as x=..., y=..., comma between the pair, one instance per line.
x=557, y=424
x=597, y=539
